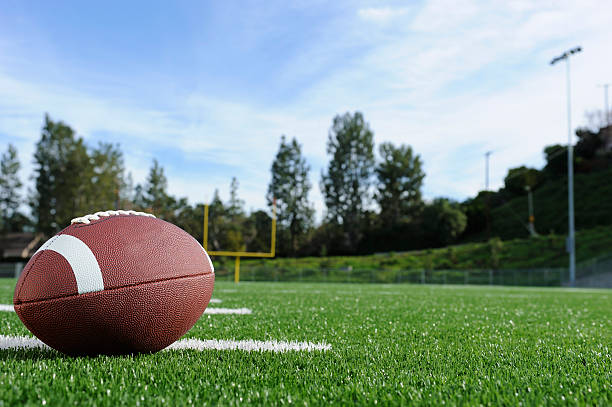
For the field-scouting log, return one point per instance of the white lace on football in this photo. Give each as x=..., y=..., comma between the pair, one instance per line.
x=96, y=216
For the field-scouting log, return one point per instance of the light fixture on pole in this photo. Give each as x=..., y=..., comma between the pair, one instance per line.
x=571, y=239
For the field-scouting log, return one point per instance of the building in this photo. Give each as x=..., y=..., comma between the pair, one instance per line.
x=15, y=251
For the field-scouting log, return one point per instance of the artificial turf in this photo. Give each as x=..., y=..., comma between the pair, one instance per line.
x=391, y=344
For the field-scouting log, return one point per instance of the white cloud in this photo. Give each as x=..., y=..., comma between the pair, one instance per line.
x=453, y=79
x=382, y=14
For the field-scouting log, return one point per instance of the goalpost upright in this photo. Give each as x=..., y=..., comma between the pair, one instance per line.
x=238, y=255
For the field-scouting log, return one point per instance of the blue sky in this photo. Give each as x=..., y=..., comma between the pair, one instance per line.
x=208, y=88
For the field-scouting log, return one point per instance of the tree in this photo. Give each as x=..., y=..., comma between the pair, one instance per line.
x=108, y=176
x=216, y=222
x=519, y=178
x=346, y=185
x=443, y=222
x=588, y=143
x=153, y=195
x=189, y=218
x=475, y=210
x=258, y=229
x=400, y=178
x=235, y=225
x=63, y=174
x=290, y=186
x=10, y=198
x=556, y=160
x=227, y=226
x=235, y=204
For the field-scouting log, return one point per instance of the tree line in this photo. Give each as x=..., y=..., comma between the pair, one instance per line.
x=373, y=202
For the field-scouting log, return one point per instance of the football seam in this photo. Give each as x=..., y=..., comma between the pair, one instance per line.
x=111, y=289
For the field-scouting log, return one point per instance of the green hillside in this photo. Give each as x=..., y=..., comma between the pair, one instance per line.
x=593, y=207
x=544, y=251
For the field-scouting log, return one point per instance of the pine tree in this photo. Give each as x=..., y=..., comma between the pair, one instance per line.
x=63, y=174
x=108, y=180
x=235, y=204
x=400, y=178
x=216, y=222
x=346, y=185
x=154, y=196
x=290, y=186
x=10, y=198
x=235, y=225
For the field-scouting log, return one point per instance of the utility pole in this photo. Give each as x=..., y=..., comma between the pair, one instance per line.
x=606, y=109
x=571, y=239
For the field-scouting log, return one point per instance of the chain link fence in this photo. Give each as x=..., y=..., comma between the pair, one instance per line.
x=11, y=269
x=594, y=273
x=531, y=277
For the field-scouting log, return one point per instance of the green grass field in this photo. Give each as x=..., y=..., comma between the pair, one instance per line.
x=391, y=344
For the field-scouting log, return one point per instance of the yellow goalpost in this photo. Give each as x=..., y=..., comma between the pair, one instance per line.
x=238, y=255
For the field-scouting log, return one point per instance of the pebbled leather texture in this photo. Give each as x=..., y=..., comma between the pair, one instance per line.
x=140, y=318
x=157, y=283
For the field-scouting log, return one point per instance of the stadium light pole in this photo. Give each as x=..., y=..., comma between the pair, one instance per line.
x=606, y=109
x=571, y=239
x=487, y=155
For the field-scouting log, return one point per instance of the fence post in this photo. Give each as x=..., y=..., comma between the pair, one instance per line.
x=18, y=269
x=530, y=271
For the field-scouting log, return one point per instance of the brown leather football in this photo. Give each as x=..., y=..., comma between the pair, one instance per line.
x=115, y=282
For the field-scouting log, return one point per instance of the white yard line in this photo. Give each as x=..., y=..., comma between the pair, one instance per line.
x=215, y=301
x=239, y=311
x=17, y=342
x=7, y=308
x=248, y=345
x=23, y=342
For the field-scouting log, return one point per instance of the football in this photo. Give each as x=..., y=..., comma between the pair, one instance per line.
x=114, y=282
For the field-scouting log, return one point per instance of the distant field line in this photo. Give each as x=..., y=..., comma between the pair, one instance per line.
x=248, y=345
x=215, y=301
x=240, y=311
x=7, y=308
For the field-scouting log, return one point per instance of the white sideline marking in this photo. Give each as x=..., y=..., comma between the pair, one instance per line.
x=241, y=311
x=7, y=308
x=215, y=301
x=24, y=342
